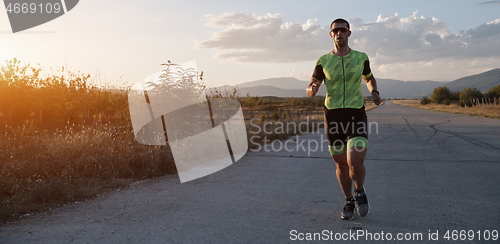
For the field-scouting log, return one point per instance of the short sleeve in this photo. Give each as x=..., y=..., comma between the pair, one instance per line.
x=318, y=73
x=367, y=72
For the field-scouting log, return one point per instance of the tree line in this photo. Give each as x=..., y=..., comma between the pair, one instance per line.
x=466, y=97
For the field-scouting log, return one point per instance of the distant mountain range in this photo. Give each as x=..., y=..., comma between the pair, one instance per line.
x=482, y=82
x=292, y=87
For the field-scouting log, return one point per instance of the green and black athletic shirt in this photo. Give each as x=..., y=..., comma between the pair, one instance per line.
x=342, y=77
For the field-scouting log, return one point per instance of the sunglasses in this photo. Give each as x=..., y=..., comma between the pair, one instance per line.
x=341, y=29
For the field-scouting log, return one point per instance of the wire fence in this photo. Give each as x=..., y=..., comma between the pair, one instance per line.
x=478, y=102
x=281, y=114
x=485, y=101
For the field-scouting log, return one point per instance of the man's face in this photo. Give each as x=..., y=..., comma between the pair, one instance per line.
x=340, y=34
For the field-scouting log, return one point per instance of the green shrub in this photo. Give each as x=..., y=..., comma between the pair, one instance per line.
x=425, y=101
x=262, y=118
x=440, y=94
x=275, y=115
x=493, y=92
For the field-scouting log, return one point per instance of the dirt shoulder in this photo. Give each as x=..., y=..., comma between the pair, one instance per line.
x=486, y=111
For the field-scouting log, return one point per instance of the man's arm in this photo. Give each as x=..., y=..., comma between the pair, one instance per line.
x=316, y=79
x=313, y=87
x=371, y=84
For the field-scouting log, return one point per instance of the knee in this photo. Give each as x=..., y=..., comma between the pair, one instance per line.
x=341, y=164
x=354, y=165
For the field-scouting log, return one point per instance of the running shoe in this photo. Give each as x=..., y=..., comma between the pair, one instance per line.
x=362, y=206
x=348, y=211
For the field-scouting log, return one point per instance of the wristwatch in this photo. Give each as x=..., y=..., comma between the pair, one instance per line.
x=378, y=93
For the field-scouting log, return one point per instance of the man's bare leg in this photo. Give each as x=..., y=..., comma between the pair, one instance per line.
x=343, y=174
x=345, y=181
x=350, y=169
x=357, y=171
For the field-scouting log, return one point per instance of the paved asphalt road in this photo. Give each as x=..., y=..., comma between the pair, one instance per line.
x=427, y=172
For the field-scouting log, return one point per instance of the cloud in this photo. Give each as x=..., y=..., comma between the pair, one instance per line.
x=417, y=38
x=439, y=69
x=306, y=76
x=253, y=38
x=490, y=2
x=388, y=40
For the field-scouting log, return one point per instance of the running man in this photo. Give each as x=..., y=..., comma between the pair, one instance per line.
x=345, y=118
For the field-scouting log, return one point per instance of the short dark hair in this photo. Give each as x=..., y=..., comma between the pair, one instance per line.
x=338, y=21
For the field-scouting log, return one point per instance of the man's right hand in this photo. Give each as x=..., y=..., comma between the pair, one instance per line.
x=312, y=88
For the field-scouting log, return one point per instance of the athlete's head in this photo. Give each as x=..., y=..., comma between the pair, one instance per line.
x=340, y=32
x=340, y=21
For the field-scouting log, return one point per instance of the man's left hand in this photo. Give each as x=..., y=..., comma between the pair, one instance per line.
x=376, y=98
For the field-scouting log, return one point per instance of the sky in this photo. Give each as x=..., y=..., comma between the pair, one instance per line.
x=119, y=43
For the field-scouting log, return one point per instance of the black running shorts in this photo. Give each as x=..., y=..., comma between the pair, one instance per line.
x=346, y=128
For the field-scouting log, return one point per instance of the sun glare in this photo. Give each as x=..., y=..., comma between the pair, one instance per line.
x=7, y=52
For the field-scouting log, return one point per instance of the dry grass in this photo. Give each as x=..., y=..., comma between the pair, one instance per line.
x=44, y=170
x=486, y=111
